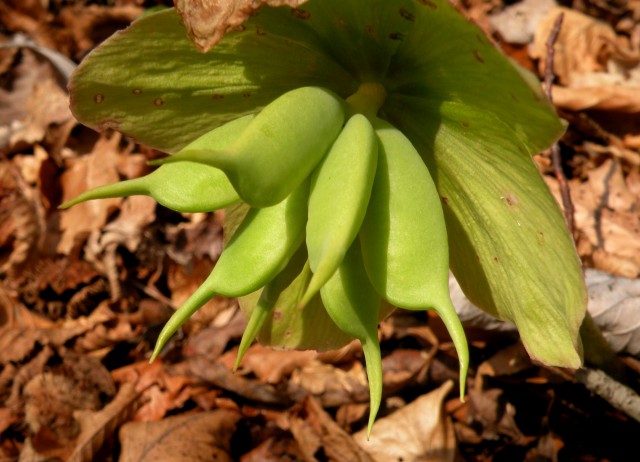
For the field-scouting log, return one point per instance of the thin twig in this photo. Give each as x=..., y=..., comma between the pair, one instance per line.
x=555, y=149
x=619, y=396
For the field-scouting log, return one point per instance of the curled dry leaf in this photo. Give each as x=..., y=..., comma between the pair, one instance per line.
x=584, y=44
x=517, y=23
x=331, y=385
x=273, y=366
x=22, y=226
x=97, y=427
x=186, y=438
x=208, y=20
x=606, y=213
x=95, y=169
x=596, y=68
x=420, y=431
x=320, y=438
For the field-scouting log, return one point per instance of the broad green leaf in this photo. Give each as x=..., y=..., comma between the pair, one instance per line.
x=476, y=122
x=150, y=83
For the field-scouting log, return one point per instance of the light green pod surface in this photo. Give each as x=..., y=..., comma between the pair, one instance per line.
x=259, y=249
x=261, y=246
x=279, y=148
x=267, y=301
x=181, y=186
x=404, y=239
x=340, y=191
x=354, y=306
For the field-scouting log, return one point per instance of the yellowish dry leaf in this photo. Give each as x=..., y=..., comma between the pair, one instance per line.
x=420, y=431
x=208, y=20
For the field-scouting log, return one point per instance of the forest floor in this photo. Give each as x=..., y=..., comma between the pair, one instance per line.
x=84, y=292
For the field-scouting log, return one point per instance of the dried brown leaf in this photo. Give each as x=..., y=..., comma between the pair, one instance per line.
x=605, y=98
x=162, y=391
x=320, y=438
x=490, y=410
x=188, y=438
x=97, y=427
x=221, y=376
x=420, y=431
x=271, y=366
x=95, y=169
x=584, y=44
x=22, y=223
x=208, y=20
x=606, y=213
x=333, y=386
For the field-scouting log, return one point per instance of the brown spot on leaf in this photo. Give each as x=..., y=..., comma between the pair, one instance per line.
x=465, y=124
x=428, y=3
x=136, y=91
x=511, y=199
x=98, y=98
x=158, y=102
x=396, y=36
x=540, y=237
x=478, y=56
x=445, y=200
x=496, y=260
x=260, y=31
x=108, y=124
x=371, y=31
x=246, y=95
x=277, y=315
x=217, y=96
x=300, y=14
x=407, y=15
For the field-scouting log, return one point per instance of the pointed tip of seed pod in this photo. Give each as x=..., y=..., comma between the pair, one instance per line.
x=315, y=284
x=154, y=355
x=373, y=358
x=463, y=380
x=136, y=186
x=449, y=317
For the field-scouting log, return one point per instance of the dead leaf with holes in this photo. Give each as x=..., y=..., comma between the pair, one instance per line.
x=186, y=438
x=208, y=20
x=420, y=431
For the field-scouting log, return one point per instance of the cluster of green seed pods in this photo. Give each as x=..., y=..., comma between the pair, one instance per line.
x=340, y=137
x=334, y=192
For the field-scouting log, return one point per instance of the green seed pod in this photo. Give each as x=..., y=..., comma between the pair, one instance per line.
x=260, y=248
x=279, y=148
x=340, y=191
x=182, y=186
x=404, y=239
x=354, y=306
x=268, y=298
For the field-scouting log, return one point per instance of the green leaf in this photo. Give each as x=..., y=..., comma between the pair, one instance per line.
x=476, y=122
x=150, y=83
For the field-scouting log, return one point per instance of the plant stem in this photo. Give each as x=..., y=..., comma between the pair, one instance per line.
x=368, y=99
